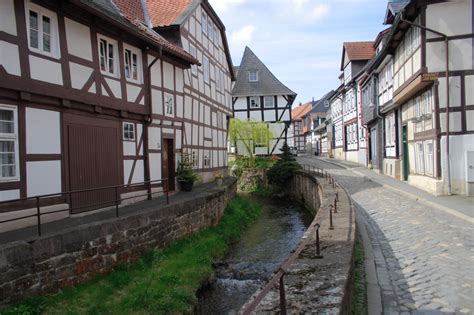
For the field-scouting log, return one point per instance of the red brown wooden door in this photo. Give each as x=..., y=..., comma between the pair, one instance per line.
x=93, y=163
x=169, y=162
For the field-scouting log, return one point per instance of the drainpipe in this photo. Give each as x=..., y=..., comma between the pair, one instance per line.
x=446, y=44
x=149, y=119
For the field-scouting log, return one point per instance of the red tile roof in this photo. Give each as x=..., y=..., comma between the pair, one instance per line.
x=131, y=9
x=359, y=50
x=298, y=112
x=165, y=12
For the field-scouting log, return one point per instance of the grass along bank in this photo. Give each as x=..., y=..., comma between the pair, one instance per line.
x=163, y=281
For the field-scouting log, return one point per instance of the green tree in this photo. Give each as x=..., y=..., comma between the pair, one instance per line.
x=249, y=133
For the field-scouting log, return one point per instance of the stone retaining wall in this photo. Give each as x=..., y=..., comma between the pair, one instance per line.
x=73, y=256
x=312, y=285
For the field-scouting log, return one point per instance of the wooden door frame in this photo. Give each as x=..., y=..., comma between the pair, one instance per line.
x=405, y=152
x=164, y=139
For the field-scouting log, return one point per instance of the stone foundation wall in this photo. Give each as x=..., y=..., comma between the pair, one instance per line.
x=73, y=256
x=313, y=285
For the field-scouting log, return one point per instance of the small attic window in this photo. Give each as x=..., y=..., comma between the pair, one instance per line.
x=253, y=76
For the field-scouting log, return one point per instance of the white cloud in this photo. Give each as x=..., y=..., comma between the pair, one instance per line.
x=242, y=36
x=223, y=5
x=318, y=11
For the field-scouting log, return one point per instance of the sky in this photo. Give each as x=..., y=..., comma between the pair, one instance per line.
x=300, y=41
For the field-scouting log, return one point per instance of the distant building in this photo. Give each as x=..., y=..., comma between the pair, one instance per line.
x=258, y=95
x=300, y=126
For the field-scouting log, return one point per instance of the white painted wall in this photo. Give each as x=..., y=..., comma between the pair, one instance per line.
x=7, y=17
x=138, y=173
x=155, y=166
x=10, y=58
x=78, y=39
x=79, y=75
x=114, y=86
x=45, y=70
x=43, y=131
x=450, y=18
x=43, y=177
x=9, y=194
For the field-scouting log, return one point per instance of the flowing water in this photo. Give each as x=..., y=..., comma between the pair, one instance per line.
x=252, y=260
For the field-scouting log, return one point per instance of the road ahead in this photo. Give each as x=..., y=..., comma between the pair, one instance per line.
x=419, y=259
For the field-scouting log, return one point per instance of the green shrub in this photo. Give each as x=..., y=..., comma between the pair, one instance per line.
x=281, y=173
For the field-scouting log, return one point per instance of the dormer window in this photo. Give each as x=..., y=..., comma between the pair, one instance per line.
x=253, y=76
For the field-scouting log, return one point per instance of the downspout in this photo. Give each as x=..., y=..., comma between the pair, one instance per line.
x=149, y=120
x=446, y=44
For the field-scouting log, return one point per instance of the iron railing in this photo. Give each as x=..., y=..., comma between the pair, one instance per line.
x=34, y=202
x=279, y=275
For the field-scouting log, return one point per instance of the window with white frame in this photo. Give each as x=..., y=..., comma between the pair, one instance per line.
x=107, y=56
x=205, y=67
x=169, y=104
x=195, y=160
x=254, y=102
x=390, y=135
x=419, y=158
x=128, y=131
x=253, y=76
x=193, y=52
x=429, y=157
x=216, y=36
x=218, y=78
x=427, y=100
x=132, y=64
x=9, y=158
x=204, y=23
x=207, y=159
x=42, y=26
x=210, y=29
x=268, y=101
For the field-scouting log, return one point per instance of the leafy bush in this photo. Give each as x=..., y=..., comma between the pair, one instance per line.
x=281, y=173
x=242, y=162
x=185, y=171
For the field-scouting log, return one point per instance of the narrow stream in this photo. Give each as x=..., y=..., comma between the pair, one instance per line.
x=252, y=260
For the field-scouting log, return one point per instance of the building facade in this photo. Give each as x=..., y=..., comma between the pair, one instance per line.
x=258, y=95
x=92, y=96
x=300, y=125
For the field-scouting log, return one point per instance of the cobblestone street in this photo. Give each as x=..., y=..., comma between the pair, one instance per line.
x=419, y=259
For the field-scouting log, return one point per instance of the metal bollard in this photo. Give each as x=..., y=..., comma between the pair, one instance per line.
x=116, y=202
x=38, y=214
x=331, y=227
x=282, y=296
x=337, y=195
x=335, y=205
x=318, y=250
x=333, y=183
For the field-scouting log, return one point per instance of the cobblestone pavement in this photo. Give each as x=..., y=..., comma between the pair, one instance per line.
x=424, y=257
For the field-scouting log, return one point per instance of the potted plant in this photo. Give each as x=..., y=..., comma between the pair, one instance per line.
x=185, y=173
x=219, y=179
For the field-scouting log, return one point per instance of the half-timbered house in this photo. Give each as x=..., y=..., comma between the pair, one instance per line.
x=432, y=118
x=258, y=95
x=92, y=96
x=194, y=104
x=299, y=127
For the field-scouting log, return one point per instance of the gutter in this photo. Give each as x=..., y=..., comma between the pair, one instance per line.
x=146, y=125
x=446, y=44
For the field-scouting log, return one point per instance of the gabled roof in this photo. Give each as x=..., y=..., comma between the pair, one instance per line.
x=169, y=12
x=356, y=51
x=393, y=7
x=300, y=111
x=132, y=10
x=267, y=83
x=112, y=12
x=320, y=105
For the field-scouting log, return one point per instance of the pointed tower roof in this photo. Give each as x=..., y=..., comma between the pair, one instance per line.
x=267, y=83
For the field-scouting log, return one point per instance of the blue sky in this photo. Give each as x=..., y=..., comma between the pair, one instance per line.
x=300, y=41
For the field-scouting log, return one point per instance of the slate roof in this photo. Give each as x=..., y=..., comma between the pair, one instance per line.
x=267, y=83
x=393, y=7
x=126, y=19
x=300, y=111
x=319, y=106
